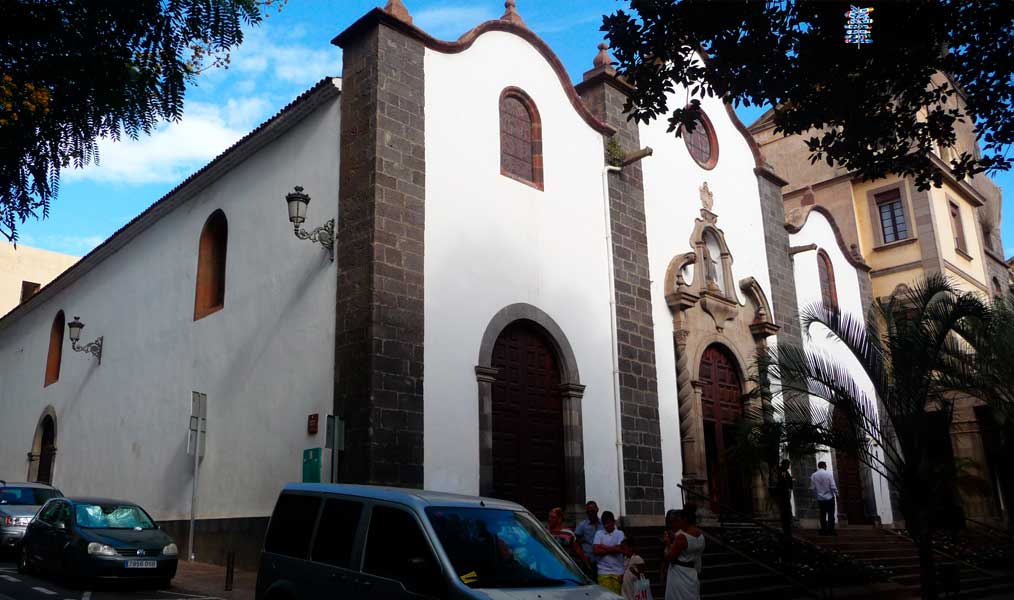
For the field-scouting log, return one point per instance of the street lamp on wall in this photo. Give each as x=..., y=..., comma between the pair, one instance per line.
x=74, y=331
x=323, y=235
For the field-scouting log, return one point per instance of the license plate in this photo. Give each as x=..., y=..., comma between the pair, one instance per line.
x=141, y=564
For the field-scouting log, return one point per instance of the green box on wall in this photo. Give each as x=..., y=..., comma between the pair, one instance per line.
x=311, y=465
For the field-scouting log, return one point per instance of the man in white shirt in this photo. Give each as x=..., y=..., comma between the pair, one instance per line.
x=824, y=488
x=611, y=548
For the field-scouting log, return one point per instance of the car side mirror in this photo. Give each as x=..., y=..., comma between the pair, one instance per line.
x=60, y=525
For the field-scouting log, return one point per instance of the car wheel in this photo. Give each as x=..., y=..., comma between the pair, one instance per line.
x=24, y=561
x=164, y=583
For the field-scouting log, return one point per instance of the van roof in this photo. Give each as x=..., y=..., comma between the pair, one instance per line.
x=419, y=499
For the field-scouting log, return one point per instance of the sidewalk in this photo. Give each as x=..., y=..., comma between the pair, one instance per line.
x=209, y=580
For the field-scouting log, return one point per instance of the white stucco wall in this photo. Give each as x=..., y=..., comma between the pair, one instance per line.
x=266, y=360
x=492, y=242
x=818, y=231
x=672, y=202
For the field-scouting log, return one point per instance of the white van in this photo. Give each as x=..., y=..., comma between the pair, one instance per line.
x=357, y=541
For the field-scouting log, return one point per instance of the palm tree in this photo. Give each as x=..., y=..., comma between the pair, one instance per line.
x=993, y=340
x=914, y=356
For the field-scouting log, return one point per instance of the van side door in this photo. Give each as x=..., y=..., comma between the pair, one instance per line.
x=398, y=559
x=285, y=564
x=335, y=555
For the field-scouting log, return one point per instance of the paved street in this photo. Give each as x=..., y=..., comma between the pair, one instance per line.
x=15, y=586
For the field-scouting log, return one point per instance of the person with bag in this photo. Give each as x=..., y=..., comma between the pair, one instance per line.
x=635, y=583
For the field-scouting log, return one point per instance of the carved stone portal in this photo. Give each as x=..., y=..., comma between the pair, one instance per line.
x=707, y=310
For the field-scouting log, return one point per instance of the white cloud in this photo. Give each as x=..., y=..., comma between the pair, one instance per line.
x=174, y=150
x=75, y=245
x=450, y=22
x=261, y=54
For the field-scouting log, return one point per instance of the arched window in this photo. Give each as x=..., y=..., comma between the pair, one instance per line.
x=997, y=289
x=713, y=270
x=55, y=349
x=520, y=138
x=210, y=294
x=828, y=289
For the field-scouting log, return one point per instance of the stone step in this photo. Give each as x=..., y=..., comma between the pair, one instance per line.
x=772, y=592
x=739, y=582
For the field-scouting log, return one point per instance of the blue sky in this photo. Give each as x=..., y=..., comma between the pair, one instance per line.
x=280, y=58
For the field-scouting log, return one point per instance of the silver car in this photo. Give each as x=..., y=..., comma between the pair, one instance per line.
x=18, y=504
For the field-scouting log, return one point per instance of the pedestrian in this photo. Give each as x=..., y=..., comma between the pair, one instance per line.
x=586, y=531
x=824, y=488
x=783, y=496
x=566, y=538
x=611, y=547
x=635, y=583
x=671, y=526
x=683, y=553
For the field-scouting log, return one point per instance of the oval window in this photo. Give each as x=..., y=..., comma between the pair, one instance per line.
x=702, y=142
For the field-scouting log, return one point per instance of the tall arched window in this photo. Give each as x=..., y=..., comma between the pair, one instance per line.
x=55, y=349
x=828, y=289
x=520, y=138
x=997, y=289
x=210, y=294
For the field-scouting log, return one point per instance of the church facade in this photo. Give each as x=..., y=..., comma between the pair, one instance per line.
x=530, y=297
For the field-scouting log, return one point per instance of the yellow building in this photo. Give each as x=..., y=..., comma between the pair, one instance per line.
x=23, y=270
x=904, y=234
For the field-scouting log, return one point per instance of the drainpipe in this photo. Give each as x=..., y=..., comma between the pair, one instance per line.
x=611, y=272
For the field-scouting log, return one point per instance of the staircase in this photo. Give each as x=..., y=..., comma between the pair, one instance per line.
x=727, y=574
x=900, y=556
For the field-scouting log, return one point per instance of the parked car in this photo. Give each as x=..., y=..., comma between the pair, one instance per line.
x=92, y=538
x=18, y=504
x=350, y=541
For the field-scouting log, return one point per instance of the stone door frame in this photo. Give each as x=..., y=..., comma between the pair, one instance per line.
x=571, y=390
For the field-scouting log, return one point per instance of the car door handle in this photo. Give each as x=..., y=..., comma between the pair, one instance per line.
x=342, y=577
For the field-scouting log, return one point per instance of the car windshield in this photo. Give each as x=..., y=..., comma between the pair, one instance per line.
x=27, y=496
x=112, y=516
x=496, y=548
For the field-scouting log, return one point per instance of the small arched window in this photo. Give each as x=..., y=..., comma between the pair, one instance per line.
x=828, y=289
x=210, y=294
x=520, y=138
x=55, y=354
x=997, y=289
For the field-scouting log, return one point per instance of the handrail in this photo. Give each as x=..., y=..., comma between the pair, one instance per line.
x=1007, y=535
x=733, y=511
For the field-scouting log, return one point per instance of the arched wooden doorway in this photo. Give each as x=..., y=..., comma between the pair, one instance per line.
x=46, y=449
x=527, y=415
x=722, y=409
x=849, y=479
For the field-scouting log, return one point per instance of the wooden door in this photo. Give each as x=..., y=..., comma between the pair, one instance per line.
x=722, y=408
x=47, y=452
x=528, y=455
x=850, y=500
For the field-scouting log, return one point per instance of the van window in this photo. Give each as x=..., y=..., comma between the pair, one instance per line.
x=396, y=548
x=336, y=532
x=292, y=525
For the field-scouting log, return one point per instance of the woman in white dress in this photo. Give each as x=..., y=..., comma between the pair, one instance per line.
x=684, y=545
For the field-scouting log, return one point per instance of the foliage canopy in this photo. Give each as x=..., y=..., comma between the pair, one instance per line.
x=72, y=72
x=872, y=109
